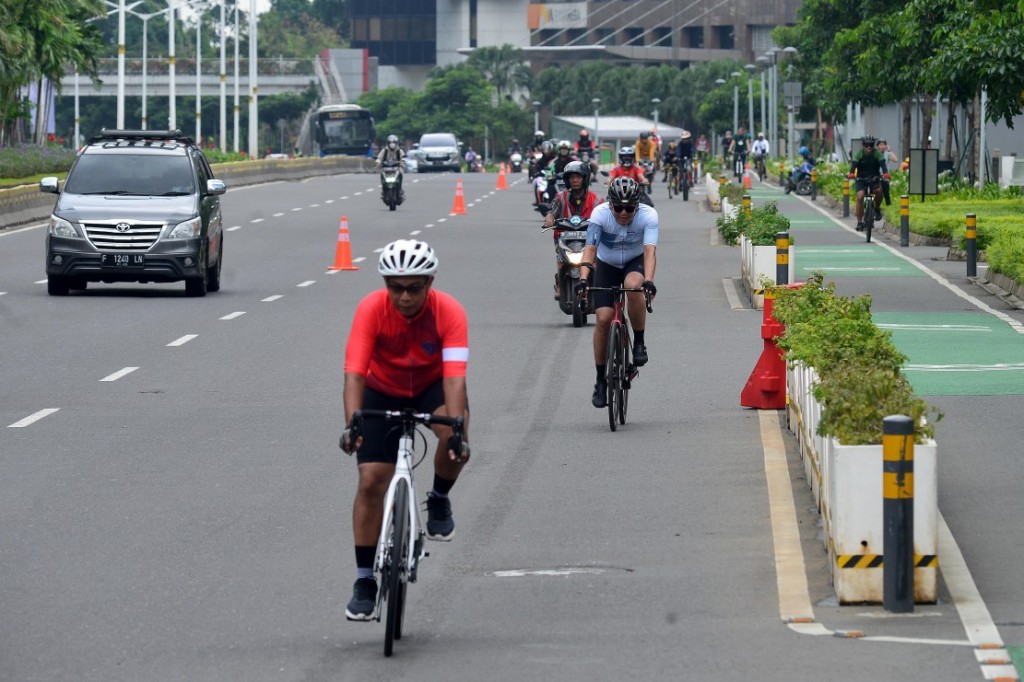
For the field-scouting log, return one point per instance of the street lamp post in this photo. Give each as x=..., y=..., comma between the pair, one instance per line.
x=790, y=52
x=199, y=85
x=223, y=84
x=773, y=97
x=762, y=62
x=750, y=68
x=254, y=109
x=172, y=95
x=655, y=101
x=597, y=129
x=237, y=108
x=714, y=138
x=735, y=102
x=536, y=115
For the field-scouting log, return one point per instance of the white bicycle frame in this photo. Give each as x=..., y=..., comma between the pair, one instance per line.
x=402, y=476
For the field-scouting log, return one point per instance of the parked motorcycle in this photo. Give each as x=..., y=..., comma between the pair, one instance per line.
x=392, y=193
x=571, y=238
x=515, y=162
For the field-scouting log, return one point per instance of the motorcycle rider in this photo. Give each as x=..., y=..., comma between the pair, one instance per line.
x=562, y=159
x=541, y=154
x=868, y=163
x=516, y=148
x=538, y=142
x=799, y=169
x=389, y=154
x=577, y=199
x=584, y=144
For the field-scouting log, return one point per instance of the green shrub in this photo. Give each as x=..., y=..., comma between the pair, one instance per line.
x=760, y=226
x=1005, y=253
x=28, y=160
x=859, y=368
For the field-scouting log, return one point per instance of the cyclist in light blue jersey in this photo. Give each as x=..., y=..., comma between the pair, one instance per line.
x=621, y=243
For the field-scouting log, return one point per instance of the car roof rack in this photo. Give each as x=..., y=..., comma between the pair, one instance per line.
x=155, y=135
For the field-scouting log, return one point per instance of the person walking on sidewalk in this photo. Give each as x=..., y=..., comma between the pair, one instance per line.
x=621, y=242
x=869, y=169
x=408, y=347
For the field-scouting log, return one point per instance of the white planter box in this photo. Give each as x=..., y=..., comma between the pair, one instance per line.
x=757, y=262
x=714, y=197
x=847, y=484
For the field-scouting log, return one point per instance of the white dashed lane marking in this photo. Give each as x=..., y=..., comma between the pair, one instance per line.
x=308, y=282
x=119, y=373
x=270, y=299
x=183, y=340
x=32, y=418
x=231, y=316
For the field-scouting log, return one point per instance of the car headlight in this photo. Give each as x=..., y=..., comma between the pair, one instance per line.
x=62, y=228
x=187, y=230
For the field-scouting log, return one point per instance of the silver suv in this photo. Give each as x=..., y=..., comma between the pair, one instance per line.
x=137, y=206
x=438, y=151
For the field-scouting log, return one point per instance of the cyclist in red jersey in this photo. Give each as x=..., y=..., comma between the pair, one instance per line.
x=408, y=347
x=627, y=167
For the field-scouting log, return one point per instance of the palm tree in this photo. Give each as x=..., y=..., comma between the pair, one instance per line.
x=505, y=67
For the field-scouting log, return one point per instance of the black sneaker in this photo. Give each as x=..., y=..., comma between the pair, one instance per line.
x=639, y=354
x=600, y=397
x=440, y=525
x=860, y=227
x=364, y=599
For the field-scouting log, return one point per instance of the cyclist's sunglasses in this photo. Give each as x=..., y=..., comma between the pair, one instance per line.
x=411, y=289
x=624, y=208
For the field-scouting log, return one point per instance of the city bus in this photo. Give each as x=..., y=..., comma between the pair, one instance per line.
x=344, y=129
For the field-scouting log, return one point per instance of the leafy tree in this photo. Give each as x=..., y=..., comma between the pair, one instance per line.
x=505, y=67
x=298, y=37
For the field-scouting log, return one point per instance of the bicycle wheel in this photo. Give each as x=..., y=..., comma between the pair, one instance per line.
x=869, y=216
x=623, y=390
x=396, y=567
x=685, y=188
x=613, y=371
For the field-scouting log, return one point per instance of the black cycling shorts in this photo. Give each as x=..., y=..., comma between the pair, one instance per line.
x=380, y=438
x=611, y=276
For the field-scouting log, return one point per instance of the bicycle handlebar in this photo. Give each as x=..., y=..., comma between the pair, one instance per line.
x=409, y=418
x=615, y=290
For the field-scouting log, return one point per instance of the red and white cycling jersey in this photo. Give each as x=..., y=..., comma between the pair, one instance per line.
x=402, y=356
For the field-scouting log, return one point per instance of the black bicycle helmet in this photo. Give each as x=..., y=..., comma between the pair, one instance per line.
x=579, y=168
x=624, y=190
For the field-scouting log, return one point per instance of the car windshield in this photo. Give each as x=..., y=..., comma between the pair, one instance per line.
x=131, y=175
x=437, y=141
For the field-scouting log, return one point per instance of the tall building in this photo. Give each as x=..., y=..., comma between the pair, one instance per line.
x=409, y=37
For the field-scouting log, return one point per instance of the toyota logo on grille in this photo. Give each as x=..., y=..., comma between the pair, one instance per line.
x=122, y=227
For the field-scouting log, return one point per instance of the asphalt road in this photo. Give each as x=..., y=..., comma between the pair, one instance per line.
x=189, y=519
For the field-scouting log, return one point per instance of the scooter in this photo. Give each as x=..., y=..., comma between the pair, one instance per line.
x=392, y=193
x=571, y=237
x=545, y=187
x=515, y=162
x=799, y=179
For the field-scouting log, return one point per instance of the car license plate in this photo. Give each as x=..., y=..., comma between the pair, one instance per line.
x=123, y=260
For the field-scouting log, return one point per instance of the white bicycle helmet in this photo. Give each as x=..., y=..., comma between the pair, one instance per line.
x=407, y=257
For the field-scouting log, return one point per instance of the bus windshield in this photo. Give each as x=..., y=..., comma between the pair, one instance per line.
x=345, y=132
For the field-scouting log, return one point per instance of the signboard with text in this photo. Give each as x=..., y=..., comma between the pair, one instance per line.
x=564, y=15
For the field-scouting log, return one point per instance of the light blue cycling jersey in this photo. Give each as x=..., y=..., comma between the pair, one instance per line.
x=619, y=244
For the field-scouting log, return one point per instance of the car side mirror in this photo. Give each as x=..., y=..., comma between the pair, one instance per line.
x=51, y=185
x=215, y=186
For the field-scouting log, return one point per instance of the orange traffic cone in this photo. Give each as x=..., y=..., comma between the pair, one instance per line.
x=502, y=180
x=459, y=207
x=343, y=254
x=746, y=179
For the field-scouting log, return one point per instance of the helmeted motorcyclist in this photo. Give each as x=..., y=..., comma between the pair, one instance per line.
x=576, y=199
x=515, y=147
x=392, y=153
x=563, y=157
x=538, y=141
x=627, y=167
x=806, y=164
x=584, y=144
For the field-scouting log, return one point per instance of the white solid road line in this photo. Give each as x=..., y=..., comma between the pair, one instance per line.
x=32, y=418
x=183, y=340
x=119, y=373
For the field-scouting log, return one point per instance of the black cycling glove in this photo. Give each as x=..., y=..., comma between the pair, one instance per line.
x=460, y=447
x=649, y=287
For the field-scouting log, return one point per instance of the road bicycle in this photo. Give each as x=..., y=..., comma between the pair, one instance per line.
x=739, y=163
x=401, y=546
x=870, y=210
x=759, y=166
x=673, y=179
x=686, y=179
x=619, y=371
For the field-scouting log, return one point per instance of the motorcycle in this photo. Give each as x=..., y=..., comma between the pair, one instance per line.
x=799, y=179
x=588, y=158
x=392, y=193
x=545, y=187
x=473, y=164
x=515, y=162
x=571, y=236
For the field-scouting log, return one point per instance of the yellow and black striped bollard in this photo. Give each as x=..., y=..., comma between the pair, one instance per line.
x=905, y=220
x=782, y=258
x=814, y=184
x=746, y=205
x=846, y=198
x=898, y=514
x=972, y=245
